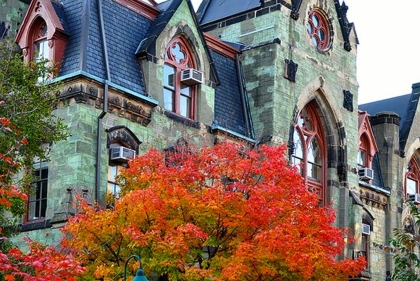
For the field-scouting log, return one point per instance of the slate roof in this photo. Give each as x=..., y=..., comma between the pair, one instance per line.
x=377, y=173
x=59, y=10
x=124, y=29
x=211, y=10
x=231, y=103
x=394, y=104
x=405, y=106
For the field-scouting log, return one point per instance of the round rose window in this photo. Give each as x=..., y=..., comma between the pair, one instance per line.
x=318, y=30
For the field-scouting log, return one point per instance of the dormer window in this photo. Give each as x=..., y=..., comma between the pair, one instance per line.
x=178, y=97
x=362, y=154
x=367, y=149
x=42, y=35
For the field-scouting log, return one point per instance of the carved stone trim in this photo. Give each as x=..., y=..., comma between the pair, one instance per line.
x=119, y=103
x=373, y=198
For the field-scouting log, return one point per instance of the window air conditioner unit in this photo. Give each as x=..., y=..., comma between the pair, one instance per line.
x=365, y=173
x=365, y=229
x=122, y=154
x=414, y=198
x=192, y=77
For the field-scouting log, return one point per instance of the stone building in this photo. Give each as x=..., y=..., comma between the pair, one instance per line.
x=137, y=73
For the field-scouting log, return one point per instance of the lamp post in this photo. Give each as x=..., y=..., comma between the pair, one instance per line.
x=140, y=273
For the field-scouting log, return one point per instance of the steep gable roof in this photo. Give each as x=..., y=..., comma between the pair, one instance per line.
x=123, y=28
x=365, y=128
x=51, y=12
x=168, y=9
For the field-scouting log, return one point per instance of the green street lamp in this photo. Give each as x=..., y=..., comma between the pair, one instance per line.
x=140, y=273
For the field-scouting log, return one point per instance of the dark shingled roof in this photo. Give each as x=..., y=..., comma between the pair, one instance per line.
x=377, y=173
x=229, y=104
x=214, y=10
x=405, y=106
x=59, y=10
x=395, y=104
x=168, y=9
x=124, y=30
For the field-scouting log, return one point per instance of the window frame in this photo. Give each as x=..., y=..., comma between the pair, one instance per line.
x=112, y=185
x=41, y=201
x=365, y=250
x=306, y=135
x=314, y=28
x=178, y=89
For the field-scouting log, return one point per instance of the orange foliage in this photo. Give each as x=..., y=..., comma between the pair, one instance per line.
x=220, y=213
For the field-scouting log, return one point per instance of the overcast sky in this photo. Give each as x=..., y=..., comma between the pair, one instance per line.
x=389, y=49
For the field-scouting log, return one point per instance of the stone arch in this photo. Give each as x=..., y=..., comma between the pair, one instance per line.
x=124, y=136
x=368, y=218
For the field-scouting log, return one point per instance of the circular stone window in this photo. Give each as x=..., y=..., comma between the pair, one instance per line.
x=319, y=30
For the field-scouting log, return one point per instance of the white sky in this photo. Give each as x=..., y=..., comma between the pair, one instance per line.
x=389, y=49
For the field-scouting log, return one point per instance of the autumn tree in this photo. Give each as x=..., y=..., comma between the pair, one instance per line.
x=406, y=244
x=220, y=213
x=27, y=127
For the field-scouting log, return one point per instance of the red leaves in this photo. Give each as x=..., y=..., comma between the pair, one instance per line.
x=40, y=264
x=221, y=213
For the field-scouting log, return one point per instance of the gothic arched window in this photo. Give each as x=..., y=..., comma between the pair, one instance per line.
x=178, y=97
x=309, y=151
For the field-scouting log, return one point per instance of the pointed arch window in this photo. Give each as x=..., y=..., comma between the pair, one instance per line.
x=309, y=151
x=412, y=178
x=178, y=97
x=40, y=47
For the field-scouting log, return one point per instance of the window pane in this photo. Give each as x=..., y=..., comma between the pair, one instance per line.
x=41, y=50
x=37, y=203
x=297, y=156
x=315, y=20
x=177, y=53
x=411, y=186
x=185, y=102
x=321, y=35
x=314, y=160
x=185, y=106
x=361, y=156
x=168, y=99
x=309, y=26
x=168, y=76
x=113, y=187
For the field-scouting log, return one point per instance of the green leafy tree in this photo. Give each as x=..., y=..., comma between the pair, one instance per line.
x=407, y=243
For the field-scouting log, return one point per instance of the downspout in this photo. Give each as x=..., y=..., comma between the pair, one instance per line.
x=243, y=98
x=104, y=107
